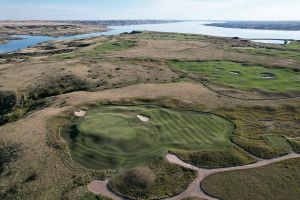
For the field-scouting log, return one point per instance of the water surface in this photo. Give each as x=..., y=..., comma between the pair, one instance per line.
x=193, y=27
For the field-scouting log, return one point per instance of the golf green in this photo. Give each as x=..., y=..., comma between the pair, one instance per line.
x=113, y=137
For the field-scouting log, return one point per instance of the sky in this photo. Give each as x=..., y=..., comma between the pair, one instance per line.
x=150, y=9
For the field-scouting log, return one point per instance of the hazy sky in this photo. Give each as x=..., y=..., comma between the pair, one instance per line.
x=151, y=9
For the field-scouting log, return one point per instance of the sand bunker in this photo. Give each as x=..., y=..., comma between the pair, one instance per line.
x=267, y=75
x=235, y=72
x=80, y=113
x=143, y=118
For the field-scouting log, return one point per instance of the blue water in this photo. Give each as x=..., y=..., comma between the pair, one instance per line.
x=194, y=27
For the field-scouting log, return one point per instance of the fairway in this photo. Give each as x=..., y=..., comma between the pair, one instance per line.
x=113, y=137
x=244, y=77
x=278, y=141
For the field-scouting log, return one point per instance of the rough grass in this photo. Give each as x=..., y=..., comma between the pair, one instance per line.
x=171, y=36
x=283, y=53
x=161, y=180
x=243, y=77
x=259, y=148
x=274, y=182
x=112, y=137
x=56, y=85
x=8, y=153
x=256, y=121
x=295, y=144
x=7, y=101
x=231, y=156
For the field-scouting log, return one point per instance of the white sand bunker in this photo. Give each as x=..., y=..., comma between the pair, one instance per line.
x=80, y=113
x=235, y=72
x=143, y=118
x=268, y=75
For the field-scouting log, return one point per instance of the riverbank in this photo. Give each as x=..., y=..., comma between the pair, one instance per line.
x=48, y=28
x=282, y=26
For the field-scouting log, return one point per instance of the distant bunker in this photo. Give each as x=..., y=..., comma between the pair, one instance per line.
x=268, y=75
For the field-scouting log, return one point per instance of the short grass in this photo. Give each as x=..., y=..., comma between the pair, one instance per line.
x=107, y=47
x=244, y=77
x=115, y=46
x=277, y=141
x=171, y=36
x=112, y=137
x=158, y=181
x=260, y=148
x=228, y=157
x=295, y=45
x=274, y=182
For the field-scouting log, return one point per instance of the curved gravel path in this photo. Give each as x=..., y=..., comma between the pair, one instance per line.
x=98, y=187
x=194, y=190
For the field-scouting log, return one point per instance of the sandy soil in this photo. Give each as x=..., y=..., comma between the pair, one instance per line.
x=80, y=113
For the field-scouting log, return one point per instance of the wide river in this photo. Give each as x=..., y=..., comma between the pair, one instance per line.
x=194, y=27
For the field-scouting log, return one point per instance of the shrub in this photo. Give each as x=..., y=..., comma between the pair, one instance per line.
x=229, y=157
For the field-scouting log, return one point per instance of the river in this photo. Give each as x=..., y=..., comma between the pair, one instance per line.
x=193, y=27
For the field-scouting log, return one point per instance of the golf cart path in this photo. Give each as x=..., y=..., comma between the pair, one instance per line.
x=194, y=190
x=98, y=187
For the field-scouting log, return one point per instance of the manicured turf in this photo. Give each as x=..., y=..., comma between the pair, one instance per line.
x=112, y=137
x=277, y=141
x=295, y=45
x=273, y=182
x=108, y=47
x=114, y=46
x=244, y=77
x=171, y=36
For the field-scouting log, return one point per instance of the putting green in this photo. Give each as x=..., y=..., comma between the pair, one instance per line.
x=112, y=137
x=244, y=77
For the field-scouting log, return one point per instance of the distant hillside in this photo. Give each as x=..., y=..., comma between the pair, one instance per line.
x=122, y=22
x=261, y=25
